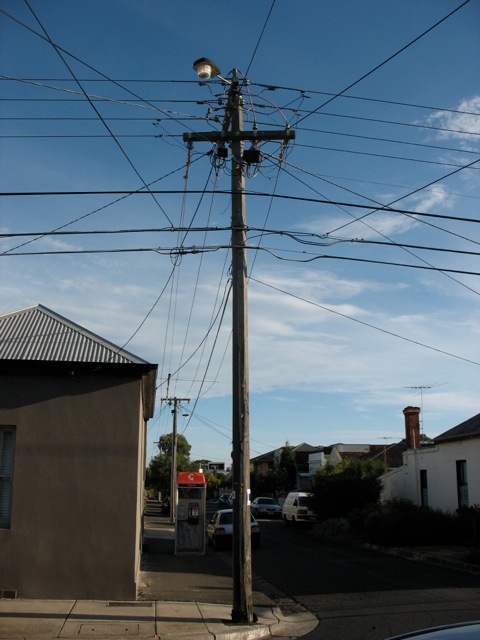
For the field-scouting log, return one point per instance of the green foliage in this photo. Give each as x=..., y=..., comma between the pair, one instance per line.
x=340, y=488
x=280, y=479
x=271, y=483
x=469, y=517
x=215, y=481
x=158, y=477
x=401, y=523
x=288, y=466
x=338, y=529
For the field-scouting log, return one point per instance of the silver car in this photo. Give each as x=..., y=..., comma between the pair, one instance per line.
x=266, y=507
x=220, y=530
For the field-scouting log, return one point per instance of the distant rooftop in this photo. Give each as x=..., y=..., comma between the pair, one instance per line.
x=37, y=333
x=468, y=429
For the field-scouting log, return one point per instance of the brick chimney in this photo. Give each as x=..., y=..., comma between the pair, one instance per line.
x=412, y=427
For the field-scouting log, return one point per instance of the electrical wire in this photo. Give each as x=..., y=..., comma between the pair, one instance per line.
x=362, y=322
x=387, y=60
x=122, y=150
x=414, y=217
x=269, y=87
x=259, y=194
x=91, y=213
x=260, y=38
x=274, y=252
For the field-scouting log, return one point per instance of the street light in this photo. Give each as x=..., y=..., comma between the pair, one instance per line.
x=205, y=68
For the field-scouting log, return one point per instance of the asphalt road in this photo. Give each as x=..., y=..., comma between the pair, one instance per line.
x=359, y=594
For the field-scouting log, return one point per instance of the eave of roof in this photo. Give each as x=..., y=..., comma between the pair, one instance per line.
x=468, y=429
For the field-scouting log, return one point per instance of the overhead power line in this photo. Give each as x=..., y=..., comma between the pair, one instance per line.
x=270, y=87
x=185, y=250
x=259, y=194
x=296, y=236
x=387, y=60
x=362, y=322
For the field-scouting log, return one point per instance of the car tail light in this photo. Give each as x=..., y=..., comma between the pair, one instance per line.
x=219, y=530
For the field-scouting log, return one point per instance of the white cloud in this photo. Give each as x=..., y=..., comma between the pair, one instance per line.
x=434, y=198
x=464, y=126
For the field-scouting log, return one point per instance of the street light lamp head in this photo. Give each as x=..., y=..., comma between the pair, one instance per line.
x=205, y=68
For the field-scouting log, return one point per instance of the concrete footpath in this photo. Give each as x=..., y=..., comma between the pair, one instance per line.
x=179, y=597
x=68, y=619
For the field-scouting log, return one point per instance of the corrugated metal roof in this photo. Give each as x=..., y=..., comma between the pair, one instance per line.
x=37, y=333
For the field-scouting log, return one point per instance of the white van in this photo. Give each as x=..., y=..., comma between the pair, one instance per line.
x=295, y=508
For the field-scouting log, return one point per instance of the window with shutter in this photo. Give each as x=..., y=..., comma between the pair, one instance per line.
x=7, y=452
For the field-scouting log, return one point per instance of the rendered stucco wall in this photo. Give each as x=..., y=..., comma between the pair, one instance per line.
x=75, y=510
x=440, y=464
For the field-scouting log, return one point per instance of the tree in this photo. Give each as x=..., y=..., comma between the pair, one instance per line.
x=337, y=489
x=288, y=465
x=159, y=469
x=270, y=483
x=215, y=480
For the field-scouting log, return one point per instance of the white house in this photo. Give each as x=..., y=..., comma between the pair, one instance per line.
x=444, y=476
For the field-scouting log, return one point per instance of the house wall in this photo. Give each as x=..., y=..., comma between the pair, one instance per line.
x=76, y=505
x=404, y=481
x=440, y=465
x=316, y=461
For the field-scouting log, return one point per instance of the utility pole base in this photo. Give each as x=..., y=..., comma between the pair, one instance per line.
x=240, y=617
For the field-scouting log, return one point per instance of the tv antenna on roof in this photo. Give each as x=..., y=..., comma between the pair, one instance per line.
x=420, y=388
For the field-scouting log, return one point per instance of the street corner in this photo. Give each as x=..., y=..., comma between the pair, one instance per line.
x=292, y=624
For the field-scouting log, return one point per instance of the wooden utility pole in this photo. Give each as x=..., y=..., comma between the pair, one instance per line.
x=232, y=132
x=173, y=469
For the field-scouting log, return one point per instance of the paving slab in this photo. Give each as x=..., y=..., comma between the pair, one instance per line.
x=94, y=619
x=180, y=619
x=33, y=618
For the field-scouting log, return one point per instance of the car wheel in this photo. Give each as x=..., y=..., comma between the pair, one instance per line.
x=216, y=545
x=285, y=521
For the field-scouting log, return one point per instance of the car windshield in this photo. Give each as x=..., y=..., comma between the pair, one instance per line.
x=226, y=518
x=303, y=501
x=266, y=501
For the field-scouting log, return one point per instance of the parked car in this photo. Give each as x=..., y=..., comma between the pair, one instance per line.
x=295, y=508
x=224, y=501
x=462, y=631
x=220, y=530
x=266, y=507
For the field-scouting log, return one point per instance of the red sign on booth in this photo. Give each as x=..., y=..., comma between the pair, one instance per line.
x=191, y=477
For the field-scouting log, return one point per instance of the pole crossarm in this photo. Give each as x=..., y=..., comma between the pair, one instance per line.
x=235, y=136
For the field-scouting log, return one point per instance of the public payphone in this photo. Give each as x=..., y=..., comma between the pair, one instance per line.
x=190, y=509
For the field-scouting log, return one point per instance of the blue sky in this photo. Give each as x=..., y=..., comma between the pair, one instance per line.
x=349, y=320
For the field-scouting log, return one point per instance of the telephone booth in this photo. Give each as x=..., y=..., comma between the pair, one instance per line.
x=191, y=513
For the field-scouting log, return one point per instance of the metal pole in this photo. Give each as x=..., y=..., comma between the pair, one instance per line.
x=242, y=611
